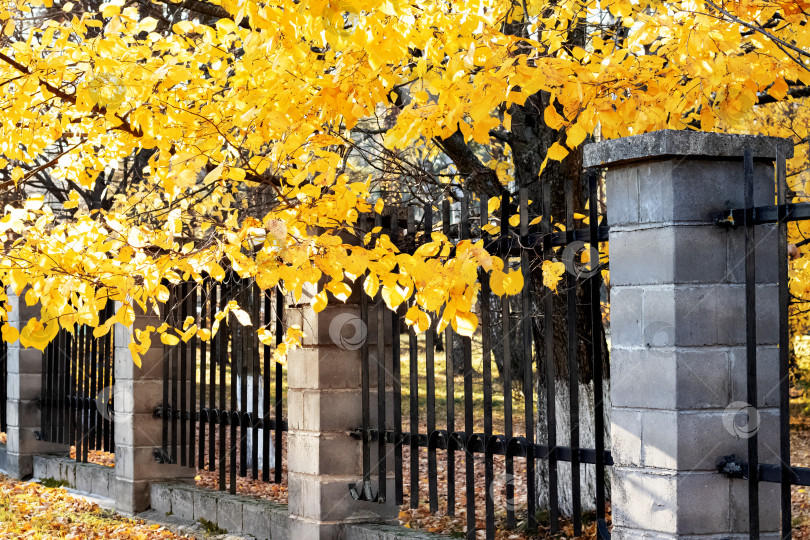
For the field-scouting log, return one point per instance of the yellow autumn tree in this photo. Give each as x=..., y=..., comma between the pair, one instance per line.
x=217, y=101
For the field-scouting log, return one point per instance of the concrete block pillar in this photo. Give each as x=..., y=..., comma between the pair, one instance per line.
x=24, y=385
x=138, y=432
x=678, y=333
x=324, y=403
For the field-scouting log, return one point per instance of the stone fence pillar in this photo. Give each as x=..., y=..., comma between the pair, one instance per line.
x=677, y=306
x=324, y=402
x=138, y=392
x=23, y=387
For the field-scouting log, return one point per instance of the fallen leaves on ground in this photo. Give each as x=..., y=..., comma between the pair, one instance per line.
x=99, y=457
x=29, y=510
x=456, y=525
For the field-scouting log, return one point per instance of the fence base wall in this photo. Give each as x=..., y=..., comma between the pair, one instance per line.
x=263, y=520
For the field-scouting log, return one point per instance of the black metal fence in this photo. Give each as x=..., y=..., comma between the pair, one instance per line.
x=76, y=399
x=528, y=331
x=223, y=399
x=751, y=469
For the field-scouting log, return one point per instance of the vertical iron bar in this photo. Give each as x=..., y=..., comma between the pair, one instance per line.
x=74, y=389
x=414, y=383
x=551, y=369
x=267, y=355
x=784, y=344
x=596, y=344
x=256, y=375
x=46, y=397
x=486, y=355
x=279, y=382
x=193, y=408
x=382, y=484
x=212, y=376
x=236, y=365
x=751, y=343
x=84, y=411
x=173, y=355
x=528, y=384
x=430, y=374
x=102, y=381
x=205, y=298
x=223, y=360
x=58, y=394
x=243, y=346
x=396, y=372
x=92, y=411
x=365, y=381
x=469, y=458
x=511, y=522
x=573, y=367
x=165, y=407
x=450, y=372
x=183, y=378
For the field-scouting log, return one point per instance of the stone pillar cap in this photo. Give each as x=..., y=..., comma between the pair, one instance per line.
x=669, y=143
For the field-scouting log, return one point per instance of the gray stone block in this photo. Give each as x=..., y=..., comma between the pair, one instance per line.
x=229, y=514
x=319, y=453
x=257, y=520
x=131, y=496
x=622, y=192
x=138, y=430
x=183, y=503
x=702, y=502
x=626, y=321
x=769, y=509
x=766, y=254
x=19, y=466
x=625, y=434
x=767, y=376
x=161, y=496
x=205, y=504
x=644, y=378
x=644, y=500
x=41, y=467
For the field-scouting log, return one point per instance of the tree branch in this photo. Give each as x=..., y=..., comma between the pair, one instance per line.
x=477, y=176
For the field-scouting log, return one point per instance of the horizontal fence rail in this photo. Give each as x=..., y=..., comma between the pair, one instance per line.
x=473, y=435
x=77, y=394
x=223, y=399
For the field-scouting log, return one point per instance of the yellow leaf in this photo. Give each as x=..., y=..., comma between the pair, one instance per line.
x=506, y=283
x=241, y=316
x=557, y=152
x=378, y=206
x=552, y=272
x=575, y=136
x=418, y=319
x=10, y=334
x=371, y=284
x=465, y=323
x=169, y=339
x=319, y=301
x=553, y=118
x=341, y=290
